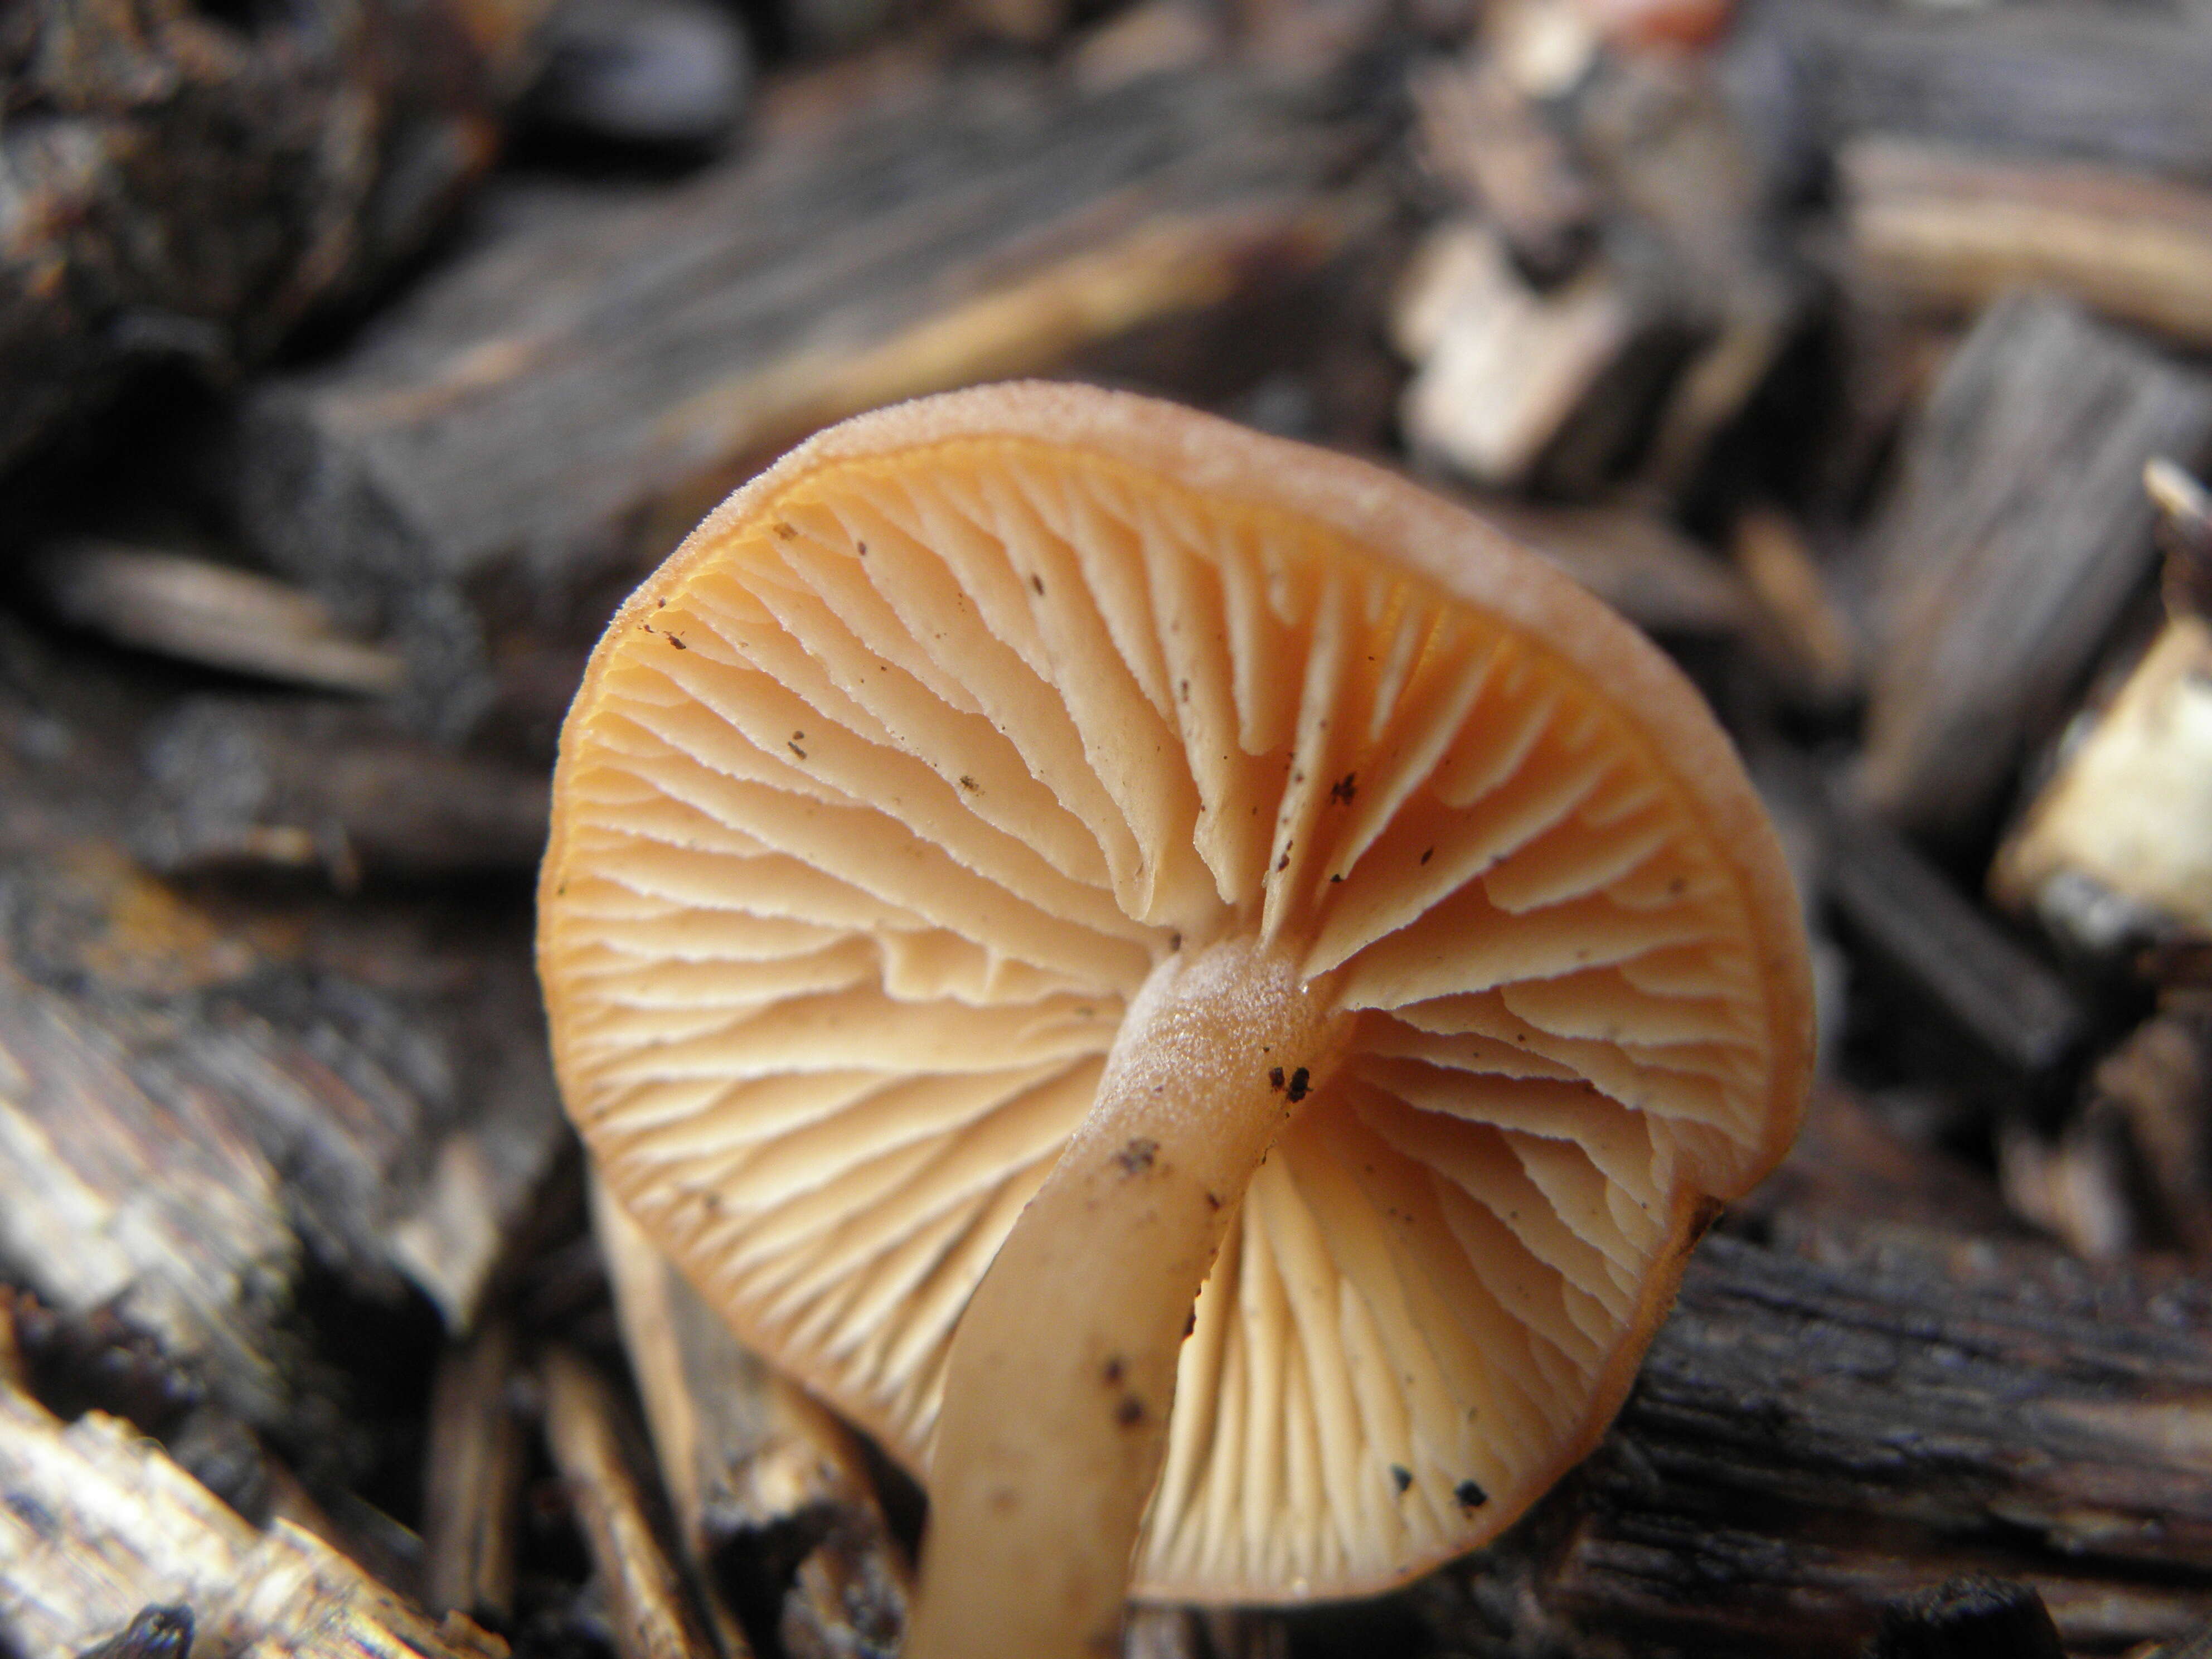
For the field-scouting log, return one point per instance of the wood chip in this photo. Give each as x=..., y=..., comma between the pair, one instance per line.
x=1514, y=387
x=96, y=1523
x=215, y=615
x=1637, y=562
x=534, y=426
x=238, y=784
x=1936, y=959
x=1954, y=230
x=1813, y=644
x=586, y=1428
x=1817, y=1432
x=201, y=1092
x=2117, y=84
x=2017, y=536
x=755, y=1467
x=2117, y=848
x=473, y=1479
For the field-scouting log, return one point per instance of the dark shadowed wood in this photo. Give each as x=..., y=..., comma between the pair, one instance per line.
x=2185, y=533
x=588, y=1431
x=1952, y=228
x=1972, y=1617
x=1821, y=1428
x=473, y=1479
x=189, y=182
x=2018, y=532
x=1638, y=562
x=770, y=1492
x=202, y=1091
x=290, y=784
x=1969, y=1003
x=2099, y=81
x=162, y=601
x=515, y=444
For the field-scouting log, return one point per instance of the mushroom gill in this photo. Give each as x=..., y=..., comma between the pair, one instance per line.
x=886, y=798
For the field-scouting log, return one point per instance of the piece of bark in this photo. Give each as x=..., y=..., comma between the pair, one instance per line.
x=187, y=181
x=1972, y=1617
x=2096, y=81
x=2133, y=1171
x=2117, y=848
x=14, y=1372
x=586, y=1429
x=665, y=75
x=268, y=1106
x=1490, y=143
x=74, y=1364
x=770, y=1492
x=2195, y=1645
x=1661, y=140
x=163, y=1631
x=1820, y=1431
x=96, y=1523
x=1155, y=37
x=2018, y=533
x=201, y=1092
x=515, y=442
x=2185, y=534
x=1850, y=1165
x=1933, y=959
x=1174, y=1632
x=1151, y=1633
x=1810, y=640
x=107, y=1198
x=1637, y=563
x=473, y=1479
x=215, y=615
x=238, y=783
x=1953, y=229
x=1519, y=388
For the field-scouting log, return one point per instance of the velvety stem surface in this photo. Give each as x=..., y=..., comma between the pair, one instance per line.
x=1061, y=1377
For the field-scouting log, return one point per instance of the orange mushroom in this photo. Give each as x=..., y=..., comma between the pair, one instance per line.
x=1196, y=991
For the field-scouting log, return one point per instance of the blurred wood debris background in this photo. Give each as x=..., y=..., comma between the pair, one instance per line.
x=356, y=355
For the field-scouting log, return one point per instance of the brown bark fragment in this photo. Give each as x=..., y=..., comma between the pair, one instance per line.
x=473, y=1479
x=96, y=1522
x=529, y=430
x=585, y=1430
x=1822, y=1429
x=757, y=1472
x=190, y=182
x=2018, y=533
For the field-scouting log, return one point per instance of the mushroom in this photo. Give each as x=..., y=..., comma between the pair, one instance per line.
x=1194, y=990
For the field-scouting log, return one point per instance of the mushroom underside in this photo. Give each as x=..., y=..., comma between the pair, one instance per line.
x=884, y=812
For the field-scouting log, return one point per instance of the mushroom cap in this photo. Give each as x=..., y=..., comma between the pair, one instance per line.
x=886, y=791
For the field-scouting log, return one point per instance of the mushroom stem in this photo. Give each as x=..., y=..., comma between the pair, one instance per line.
x=1057, y=1388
